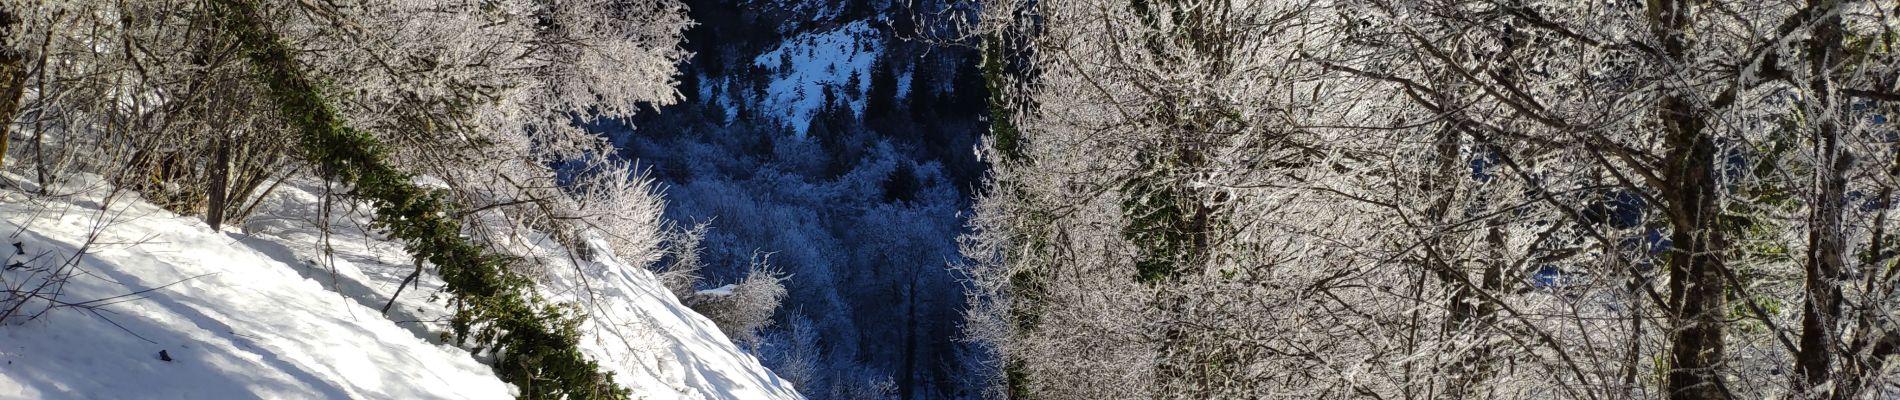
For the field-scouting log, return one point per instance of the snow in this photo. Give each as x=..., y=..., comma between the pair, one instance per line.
x=804, y=65
x=721, y=291
x=257, y=312
x=651, y=340
x=903, y=84
x=238, y=321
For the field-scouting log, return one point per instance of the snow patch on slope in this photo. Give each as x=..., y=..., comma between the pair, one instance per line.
x=804, y=65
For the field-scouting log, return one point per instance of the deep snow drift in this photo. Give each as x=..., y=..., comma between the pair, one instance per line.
x=258, y=312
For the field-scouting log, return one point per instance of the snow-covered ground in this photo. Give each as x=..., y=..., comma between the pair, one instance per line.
x=257, y=311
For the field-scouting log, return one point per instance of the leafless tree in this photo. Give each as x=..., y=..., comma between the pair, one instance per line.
x=1439, y=199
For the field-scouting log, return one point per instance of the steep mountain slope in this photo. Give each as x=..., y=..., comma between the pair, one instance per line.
x=263, y=313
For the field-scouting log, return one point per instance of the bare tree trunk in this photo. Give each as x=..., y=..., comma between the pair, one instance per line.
x=1697, y=291
x=220, y=185
x=1827, y=248
x=12, y=77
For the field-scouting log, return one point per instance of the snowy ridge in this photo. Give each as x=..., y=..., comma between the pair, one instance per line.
x=263, y=314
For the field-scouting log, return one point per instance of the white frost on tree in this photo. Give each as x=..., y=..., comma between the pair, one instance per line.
x=1365, y=198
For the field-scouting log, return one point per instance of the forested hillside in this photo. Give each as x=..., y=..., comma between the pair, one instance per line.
x=836, y=142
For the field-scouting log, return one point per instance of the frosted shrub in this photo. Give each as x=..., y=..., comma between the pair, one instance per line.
x=743, y=308
x=681, y=275
x=794, y=355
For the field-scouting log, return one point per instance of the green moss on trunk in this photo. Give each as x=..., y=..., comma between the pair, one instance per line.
x=535, y=342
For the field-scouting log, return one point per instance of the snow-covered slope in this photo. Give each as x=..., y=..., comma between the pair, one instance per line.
x=263, y=314
x=805, y=65
x=237, y=322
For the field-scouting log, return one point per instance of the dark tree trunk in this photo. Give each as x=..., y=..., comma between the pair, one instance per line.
x=220, y=185
x=1697, y=290
x=12, y=76
x=1827, y=248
